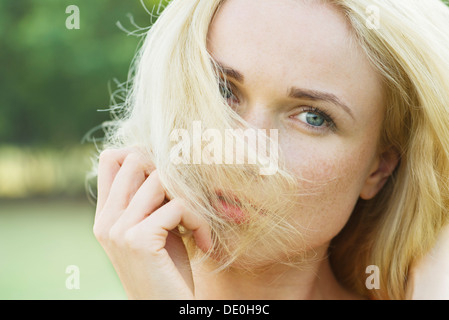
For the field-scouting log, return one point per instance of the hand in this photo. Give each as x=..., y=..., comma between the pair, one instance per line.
x=133, y=222
x=429, y=278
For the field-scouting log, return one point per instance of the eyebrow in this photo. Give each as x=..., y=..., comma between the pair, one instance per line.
x=299, y=93
x=296, y=93
x=230, y=72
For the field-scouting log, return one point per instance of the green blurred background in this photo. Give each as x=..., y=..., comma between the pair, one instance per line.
x=54, y=82
x=55, y=85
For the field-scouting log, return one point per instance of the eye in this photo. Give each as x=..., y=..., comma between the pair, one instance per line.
x=315, y=119
x=312, y=119
x=227, y=93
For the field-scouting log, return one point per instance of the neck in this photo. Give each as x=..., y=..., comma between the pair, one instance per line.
x=314, y=281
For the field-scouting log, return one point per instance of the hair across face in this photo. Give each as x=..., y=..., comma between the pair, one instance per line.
x=302, y=74
x=218, y=79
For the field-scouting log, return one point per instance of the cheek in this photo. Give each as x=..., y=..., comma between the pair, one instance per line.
x=329, y=181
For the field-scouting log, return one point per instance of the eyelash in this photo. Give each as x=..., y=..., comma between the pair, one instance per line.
x=330, y=122
x=229, y=87
x=327, y=118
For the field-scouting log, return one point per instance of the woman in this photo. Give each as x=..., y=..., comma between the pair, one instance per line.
x=350, y=95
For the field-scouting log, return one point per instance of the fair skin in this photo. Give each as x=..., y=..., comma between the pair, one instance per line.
x=302, y=74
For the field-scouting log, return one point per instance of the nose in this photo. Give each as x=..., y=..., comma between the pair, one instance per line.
x=258, y=116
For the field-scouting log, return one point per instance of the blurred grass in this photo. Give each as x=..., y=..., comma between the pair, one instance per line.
x=39, y=239
x=46, y=222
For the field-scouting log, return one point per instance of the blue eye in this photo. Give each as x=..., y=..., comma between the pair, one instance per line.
x=228, y=94
x=313, y=119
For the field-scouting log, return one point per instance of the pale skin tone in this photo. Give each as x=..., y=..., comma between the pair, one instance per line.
x=301, y=74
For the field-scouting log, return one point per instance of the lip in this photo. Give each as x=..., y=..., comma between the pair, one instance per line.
x=231, y=208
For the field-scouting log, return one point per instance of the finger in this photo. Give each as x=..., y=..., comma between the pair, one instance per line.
x=127, y=181
x=158, y=225
x=132, y=173
x=150, y=196
x=110, y=162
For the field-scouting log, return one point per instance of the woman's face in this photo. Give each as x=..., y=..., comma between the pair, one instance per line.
x=295, y=66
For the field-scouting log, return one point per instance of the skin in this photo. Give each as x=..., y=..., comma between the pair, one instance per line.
x=304, y=45
x=307, y=47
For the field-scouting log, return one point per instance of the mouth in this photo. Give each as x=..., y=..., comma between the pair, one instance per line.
x=231, y=208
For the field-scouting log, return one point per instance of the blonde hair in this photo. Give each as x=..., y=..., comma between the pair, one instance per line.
x=175, y=83
x=410, y=50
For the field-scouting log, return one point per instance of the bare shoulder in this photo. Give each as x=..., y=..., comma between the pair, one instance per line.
x=429, y=278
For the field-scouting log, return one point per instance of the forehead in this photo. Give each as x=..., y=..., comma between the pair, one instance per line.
x=248, y=29
x=302, y=43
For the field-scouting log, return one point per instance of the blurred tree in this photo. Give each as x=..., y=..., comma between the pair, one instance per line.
x=53, y=79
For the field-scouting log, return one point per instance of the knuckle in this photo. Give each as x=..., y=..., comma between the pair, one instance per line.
x=131, y=156
x=158, y=198
x=108, y=155
x=116, y=235
x=178, y=204
x=99, y=233
x=134, y=162
x=134, y=158
x=139, y=161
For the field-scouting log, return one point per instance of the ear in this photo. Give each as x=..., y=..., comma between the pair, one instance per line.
x=382, y=169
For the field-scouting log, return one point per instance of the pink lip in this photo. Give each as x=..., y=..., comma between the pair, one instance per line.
x=231, y=211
